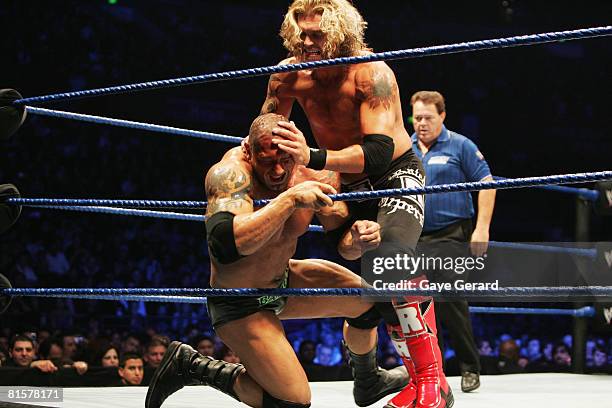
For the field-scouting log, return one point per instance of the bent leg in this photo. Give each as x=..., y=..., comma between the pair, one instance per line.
x=270, y=361
x=318, y=273
x=371, y=382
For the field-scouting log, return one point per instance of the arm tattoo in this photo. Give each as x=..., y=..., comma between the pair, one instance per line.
x=227, y=189
x=379, y=90
x=271, y=103
x=332, y=178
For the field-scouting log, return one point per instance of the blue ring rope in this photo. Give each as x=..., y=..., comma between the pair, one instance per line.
x=587, y=311
x=503, y=293
x=358, y=195
x=587, y=194
x=471, y=186
x=420, y=52
x=586, y=252
x=134, y=125
x=168, y=215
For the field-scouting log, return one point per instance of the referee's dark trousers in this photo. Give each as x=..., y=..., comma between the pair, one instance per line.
x=453, y=315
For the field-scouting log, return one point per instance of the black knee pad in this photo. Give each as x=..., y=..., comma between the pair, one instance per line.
x=271, y=402
x=367, y=320
x=387, y=311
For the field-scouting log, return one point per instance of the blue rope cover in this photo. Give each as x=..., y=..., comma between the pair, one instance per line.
x=168, y=215
x=502, y=293
x=515, y=41
x=585, y=193
x=134, y=125
x=586, y=311
x=359, y=195
x=586, y=252
x=471, y=186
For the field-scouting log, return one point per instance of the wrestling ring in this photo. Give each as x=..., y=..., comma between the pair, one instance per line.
x=500, y=391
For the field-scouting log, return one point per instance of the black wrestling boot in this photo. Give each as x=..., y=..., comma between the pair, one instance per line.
x=181, y=366
x=372, y=382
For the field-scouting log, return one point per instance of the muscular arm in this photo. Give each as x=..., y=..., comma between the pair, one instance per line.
x=227, y=188
x=335, y=216
x=377, y=91
x=276, y=100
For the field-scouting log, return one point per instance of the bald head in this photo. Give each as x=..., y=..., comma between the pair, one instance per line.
x=262, y=126
x=272, y=166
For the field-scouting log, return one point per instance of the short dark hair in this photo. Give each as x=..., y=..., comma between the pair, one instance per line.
x=129, y=356
x=201, y=338
x=19, y=337
x=158, y=340
x=44, y=348
x=429, y=97
x=305, y=343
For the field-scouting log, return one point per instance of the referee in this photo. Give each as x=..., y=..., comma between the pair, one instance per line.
x=449, y=157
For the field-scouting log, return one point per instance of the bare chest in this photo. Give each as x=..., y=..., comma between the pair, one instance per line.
x=331, y=106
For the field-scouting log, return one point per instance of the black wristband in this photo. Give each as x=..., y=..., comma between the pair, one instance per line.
x=318, y=158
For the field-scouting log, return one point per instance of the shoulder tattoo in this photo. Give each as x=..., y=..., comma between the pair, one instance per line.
x=378, y=89
x=227, y=189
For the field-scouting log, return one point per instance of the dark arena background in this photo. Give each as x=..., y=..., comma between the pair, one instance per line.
x=533, y=111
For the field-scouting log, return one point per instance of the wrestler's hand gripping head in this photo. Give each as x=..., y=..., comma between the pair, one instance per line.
x=272, y=166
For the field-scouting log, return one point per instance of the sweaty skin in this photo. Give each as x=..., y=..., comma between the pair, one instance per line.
x=342, y=105
x=231, y=186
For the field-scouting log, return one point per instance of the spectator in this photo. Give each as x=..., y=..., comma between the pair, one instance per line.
x=548, y=352
x=131, y=369
x=103, y=353
x=69, y=346
x=332, y=341
x=537, y=362
x=533, y=350
x=600, y=360
x=21, y=351
x=562, y=359
x=109, y=357
x=155, y=351
x=306, y=352
x=485, y=349
x=226, y=354
x=205, y=346
x=131, y=344
x=509, y=353
x=324, y=355
x=42, y=335
x=51, y=349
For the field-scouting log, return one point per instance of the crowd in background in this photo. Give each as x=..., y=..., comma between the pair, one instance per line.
x=135, y=356
x=527, y=118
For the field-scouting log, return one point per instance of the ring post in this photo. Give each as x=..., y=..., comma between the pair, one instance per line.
x=580, y=326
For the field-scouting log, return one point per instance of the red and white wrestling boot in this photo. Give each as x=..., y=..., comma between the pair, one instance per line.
x=407, y=396
x=422, y=359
